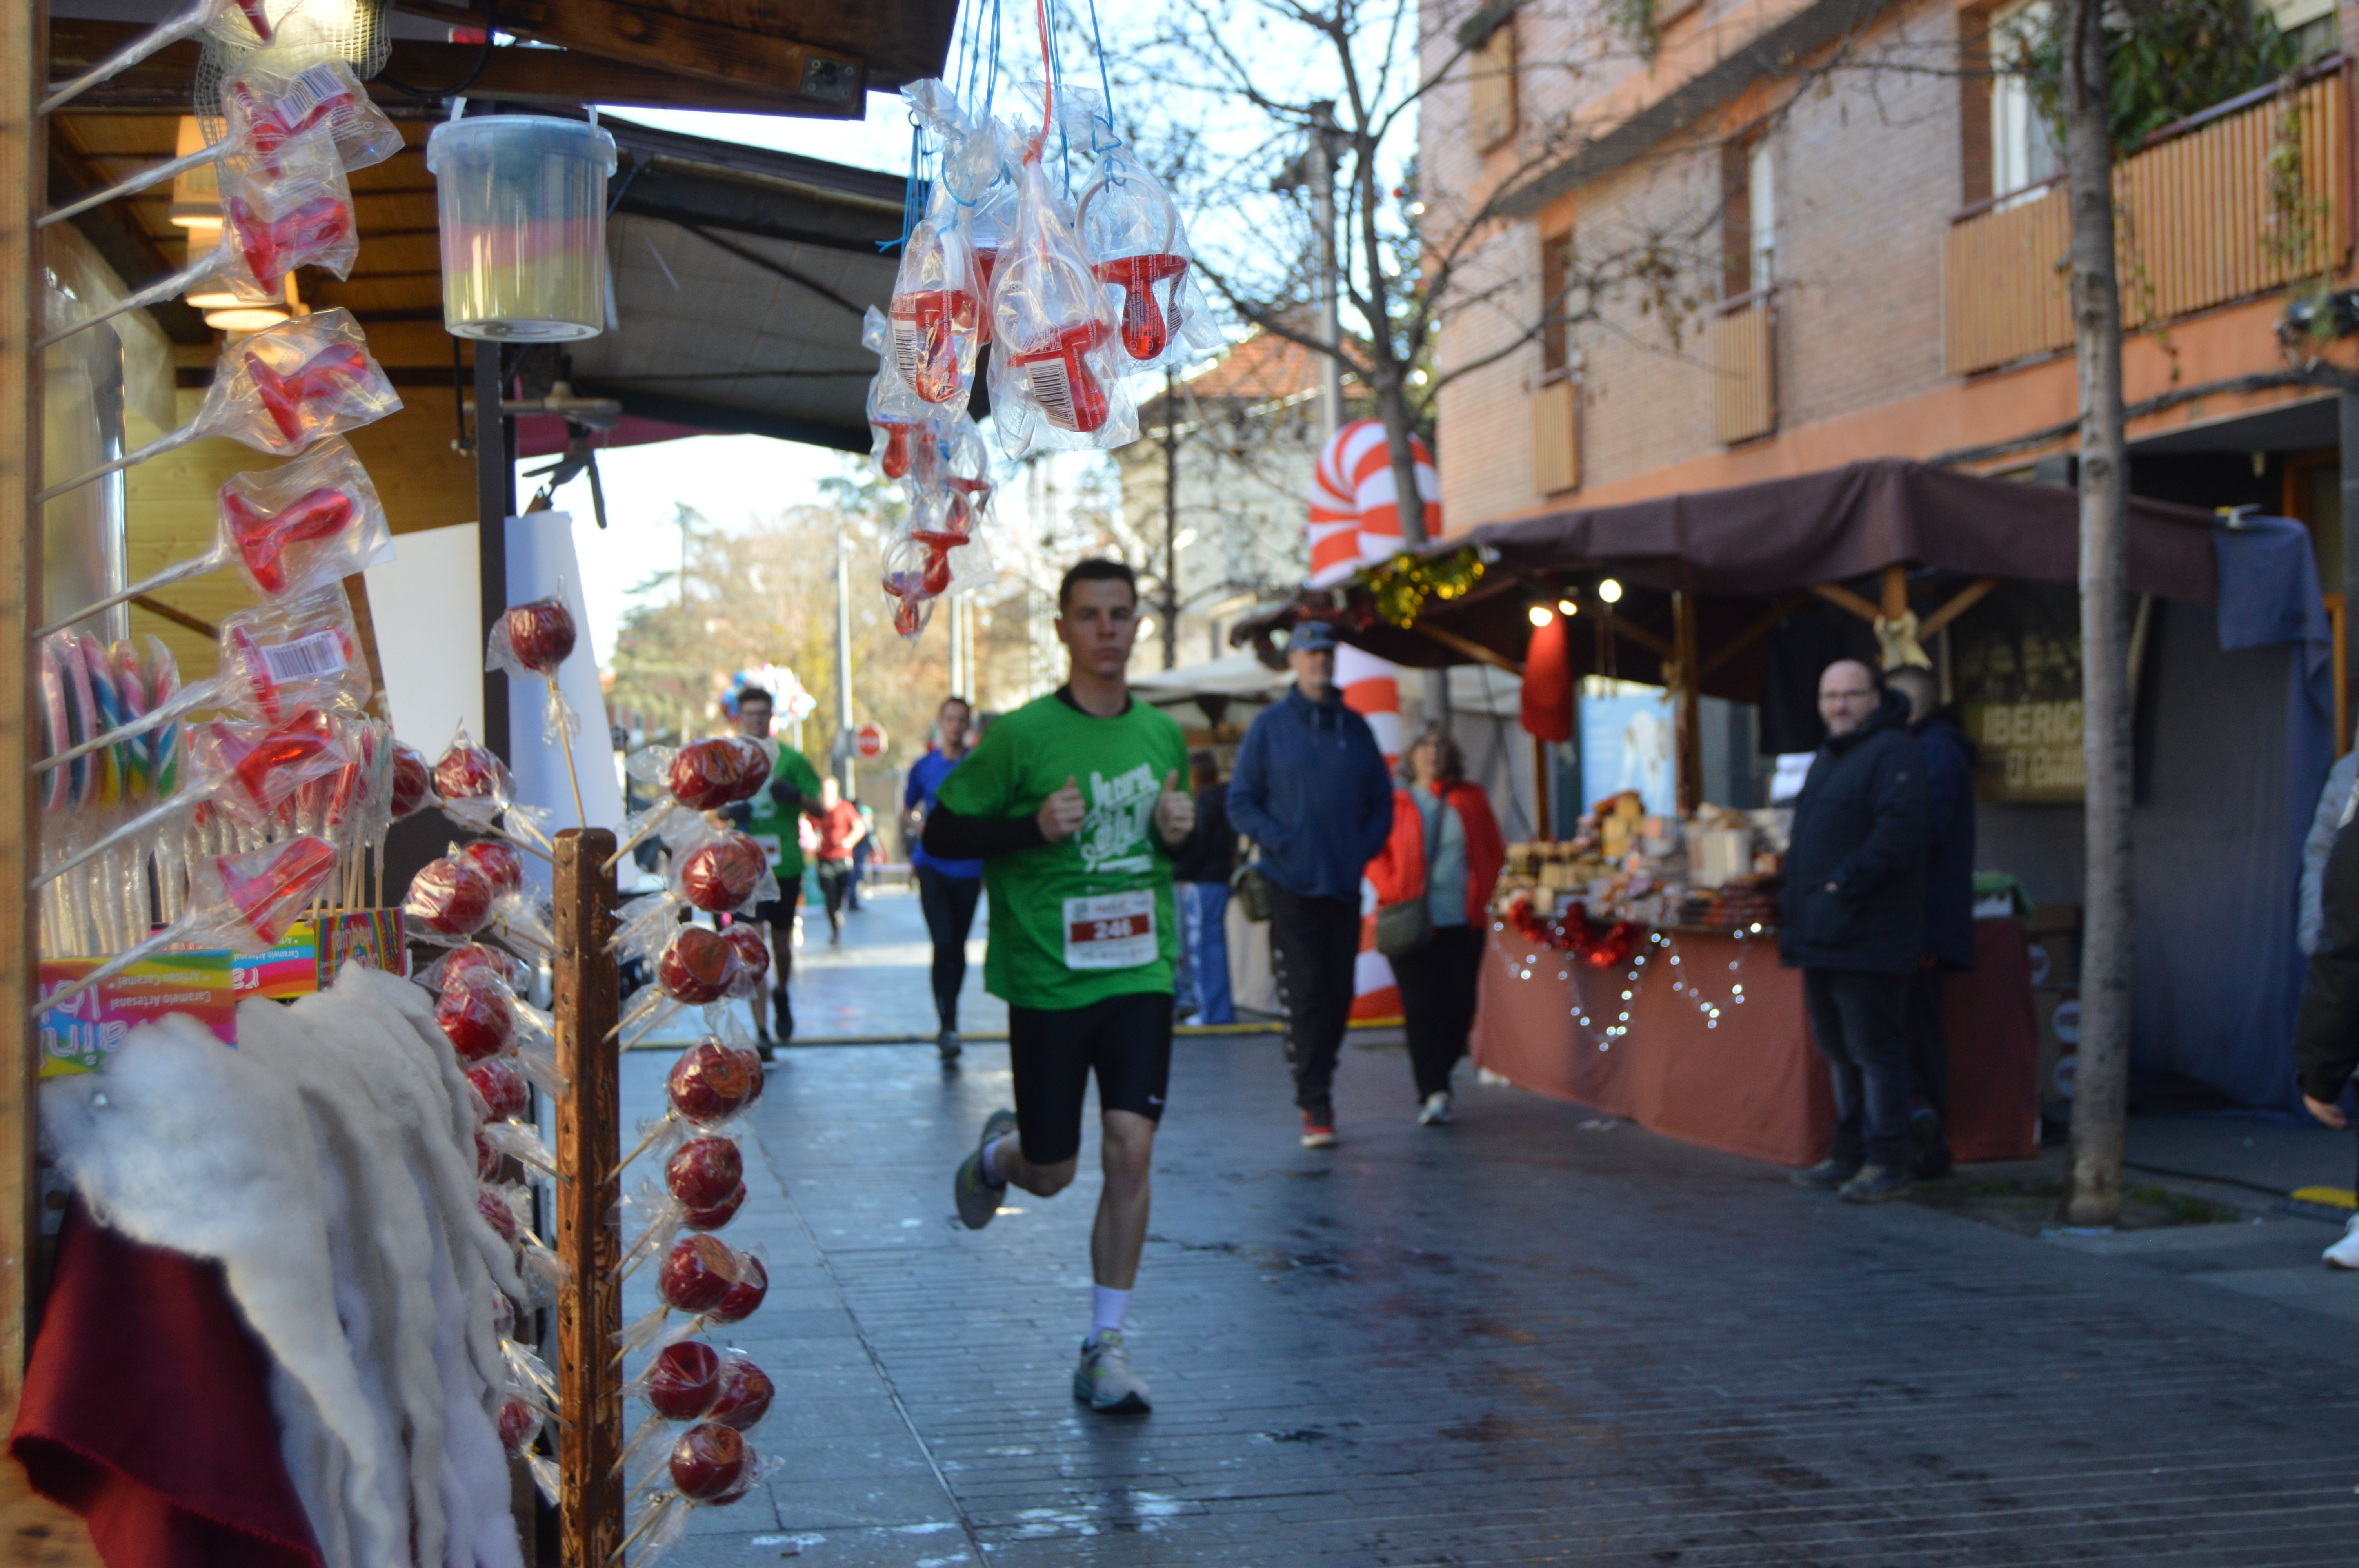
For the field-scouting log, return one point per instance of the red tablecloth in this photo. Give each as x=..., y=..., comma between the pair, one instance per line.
x=144, y=1412
x=1749, y=1081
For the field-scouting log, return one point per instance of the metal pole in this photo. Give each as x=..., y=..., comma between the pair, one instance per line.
x=494, y=500
x=842, y=662
x=1171, y=518
x=1330, y=326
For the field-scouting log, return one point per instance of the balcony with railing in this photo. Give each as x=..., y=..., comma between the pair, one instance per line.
x=1740, y=345
x=2245, y=198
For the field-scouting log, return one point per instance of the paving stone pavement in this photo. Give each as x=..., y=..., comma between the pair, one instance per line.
x=1535, y=1336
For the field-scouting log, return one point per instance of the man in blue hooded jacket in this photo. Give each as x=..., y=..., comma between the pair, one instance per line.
x=1311, y=789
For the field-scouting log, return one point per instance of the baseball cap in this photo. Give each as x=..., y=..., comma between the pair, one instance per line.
x=1312, y=637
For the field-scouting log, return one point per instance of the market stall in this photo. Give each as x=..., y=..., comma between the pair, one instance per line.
x=312, y=1033
x=1744, y=594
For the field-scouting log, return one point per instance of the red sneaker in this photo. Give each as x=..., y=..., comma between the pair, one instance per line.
x=1317, y=1129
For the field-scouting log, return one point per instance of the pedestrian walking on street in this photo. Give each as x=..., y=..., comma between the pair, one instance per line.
x=2326, y=1030
x=1949, y=759
x=947, y=890
x=840, y=827
x=1201, y=883
x=1852, y=918
x=863, y=849
x=1445, y=848
x=1076, y=805
x=1311, y=788
x=774, y=818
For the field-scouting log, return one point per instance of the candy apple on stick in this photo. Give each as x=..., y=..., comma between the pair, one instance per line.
x=530, y=642
x=713, y=871
x=704, y=775
x=696, y=968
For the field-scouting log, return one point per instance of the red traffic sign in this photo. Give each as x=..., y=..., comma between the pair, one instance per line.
x=868, y=742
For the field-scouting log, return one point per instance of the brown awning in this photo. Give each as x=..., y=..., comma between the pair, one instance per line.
x=1741, y=550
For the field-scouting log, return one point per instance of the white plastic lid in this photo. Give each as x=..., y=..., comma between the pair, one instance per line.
x=497, y=136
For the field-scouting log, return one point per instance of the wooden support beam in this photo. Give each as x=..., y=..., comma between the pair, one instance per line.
x=1965, y=598
x=1751, y=634
x=689, y=47
x=589, y=1188
x=1471, y=648
x=1895, y=593
x=1660, y=646
x=1867, y=610
x=1688, y=720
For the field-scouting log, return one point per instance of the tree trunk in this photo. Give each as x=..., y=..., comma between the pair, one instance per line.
x=2101, y=1077
x=1393, y=407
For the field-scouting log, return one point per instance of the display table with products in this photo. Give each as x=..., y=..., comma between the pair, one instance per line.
x=1700, y=1035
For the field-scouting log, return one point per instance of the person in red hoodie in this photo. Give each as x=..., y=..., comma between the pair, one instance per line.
x=1445, y=848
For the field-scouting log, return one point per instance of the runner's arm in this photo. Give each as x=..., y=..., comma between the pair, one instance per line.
x=950, y=837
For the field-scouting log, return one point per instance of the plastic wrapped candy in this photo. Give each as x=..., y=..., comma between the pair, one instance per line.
x=683, y=1382
x=704, y=775
x=703, y=1172
x=475, y=958
x=753, y=961
x=716, y=871
x=499, y=862
x=530, y=642
x=745, y=1393
x=293, y=210
x=413, y=783
x=506, y=1093
x=937, y=309
x=476, y=791
x=476, y=1015
x=244, y=903
x=1131, y=231
x=704, y=1278
x=712, y=1082
x=901, y=420
x=975, y=174
x=449, y=901
x=711, y=1465
x=697, y=967
x=275, y=96
x=745, y=1294
x=1055, y=368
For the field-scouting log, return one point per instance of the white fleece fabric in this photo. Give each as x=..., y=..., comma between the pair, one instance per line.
x=329, y=1162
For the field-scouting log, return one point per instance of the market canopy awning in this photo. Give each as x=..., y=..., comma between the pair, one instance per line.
x=1743, y=557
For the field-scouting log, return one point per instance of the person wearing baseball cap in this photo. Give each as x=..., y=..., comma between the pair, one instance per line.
x=1310, y=787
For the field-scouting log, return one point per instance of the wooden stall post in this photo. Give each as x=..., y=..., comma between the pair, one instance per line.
x=1686, y=682
x=589, y=1150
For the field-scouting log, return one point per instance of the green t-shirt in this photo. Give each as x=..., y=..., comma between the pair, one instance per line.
x=1089, y=916
x=772, y=826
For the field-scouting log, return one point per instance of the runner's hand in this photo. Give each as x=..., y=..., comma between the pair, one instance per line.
x=1061, y=814
x=2329, y=1114
x=1175, y=810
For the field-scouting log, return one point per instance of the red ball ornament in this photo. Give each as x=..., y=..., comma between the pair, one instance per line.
x=720, y=876
x=413, y=783
x=710, y=1464
x=469, y=772
x=743, y=1298
x=476, y=1018
x=684, y=1380
x=719, y=1214
x=503, y=1089
x=745, y=1394
x=697, y=966
x=752, y=960
x=501, y=865
x=520, y=1424
x=697, y=1272
x=448, y=897
x=540, y=634
x=712, y=1082
x=702, y=1171
x=706, y=775
x=498, y=1212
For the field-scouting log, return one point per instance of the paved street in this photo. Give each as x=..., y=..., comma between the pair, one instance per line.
x=1537, y=1336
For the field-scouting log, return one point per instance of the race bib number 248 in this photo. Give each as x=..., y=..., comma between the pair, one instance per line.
x=1113, y=930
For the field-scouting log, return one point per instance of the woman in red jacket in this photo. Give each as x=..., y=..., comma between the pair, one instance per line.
x=1437, y=981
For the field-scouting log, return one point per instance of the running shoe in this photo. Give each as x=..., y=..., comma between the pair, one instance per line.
x=1105, y=1380
x=1827, y=1175
x=1435, y=1111
x=1318, y=1129
x=977, y=1199
x=949, y=1044
x=1876, y=1184
x=2345, y=1254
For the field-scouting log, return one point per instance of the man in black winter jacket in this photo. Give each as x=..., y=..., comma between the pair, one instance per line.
x=1853, y=920
x=1949, y=759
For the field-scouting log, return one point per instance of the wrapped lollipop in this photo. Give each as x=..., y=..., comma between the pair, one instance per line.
x=275, y=96
x=679, y=1383
x=696, y=968
x=713, y=871
x=704, y=775
x=475, y=957
x=507, y=1130
x=703, y=1187
x=476, y=791
x=506, y=1207
x=449, y=901
x=243, y=903
x=1056, y=371
x=530, y=642
x=711, y=1465
x=296, y=529
x=707, y=1280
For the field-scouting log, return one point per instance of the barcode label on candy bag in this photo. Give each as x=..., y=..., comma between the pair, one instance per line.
x=908, y=349
x=305, y=658
x=307, y=93
x=1051, y=386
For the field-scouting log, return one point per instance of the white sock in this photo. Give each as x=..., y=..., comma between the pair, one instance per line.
x=1107, y=1309
x=990, y=1162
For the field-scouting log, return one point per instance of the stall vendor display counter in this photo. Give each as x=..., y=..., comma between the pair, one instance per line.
x=1702, y=1035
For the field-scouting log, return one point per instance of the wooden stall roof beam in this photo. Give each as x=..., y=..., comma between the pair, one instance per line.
x=689, y=46
x=1965, y=598
x=1660, y=647
x=160, y=84
x=1750, y=635
x=589, y=1150
x=1471, y=648
x=1867, y=610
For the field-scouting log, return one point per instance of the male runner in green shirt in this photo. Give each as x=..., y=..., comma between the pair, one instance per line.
x=1075, y=804
x=774, y=819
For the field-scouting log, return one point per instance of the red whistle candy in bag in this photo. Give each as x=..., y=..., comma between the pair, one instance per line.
x=262, y=540
x=272, y=247
x=289, y=399
x=720, y=875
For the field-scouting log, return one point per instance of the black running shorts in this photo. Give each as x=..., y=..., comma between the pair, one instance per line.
x=1125, y=1039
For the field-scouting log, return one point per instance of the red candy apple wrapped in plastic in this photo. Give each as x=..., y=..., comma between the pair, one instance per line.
x=709, y=1084
x=476, y=958
x=476, y=791
x=705, y=1280
x=714, y=871
x=704, y=775
x=243, y=903
x=1131, y=231
x=530, y=642
x=449, y=901
x=697, y=967
x=1056, y=368
x=506, y=1207
x=753, y=961
x=711, y=1465
x=703, y=1187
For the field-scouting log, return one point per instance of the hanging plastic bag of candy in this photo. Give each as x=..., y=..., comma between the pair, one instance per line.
x=961, y=467
x=1131, y=230
x=275, y=95
x=978, y=172
x=937, y=307
x=292, y=210
x=899, y=420
x=1056, y=370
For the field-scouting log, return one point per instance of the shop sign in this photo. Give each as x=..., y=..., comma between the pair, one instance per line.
x=2016, y=675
